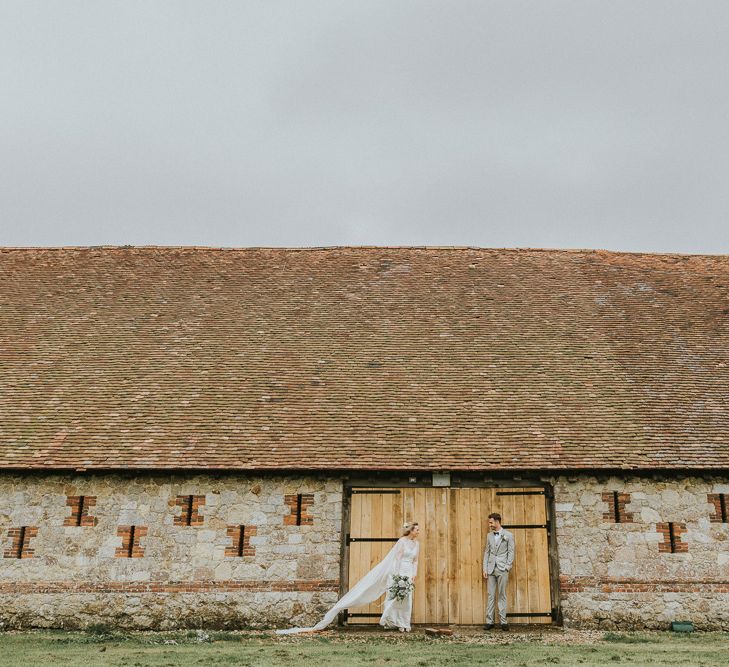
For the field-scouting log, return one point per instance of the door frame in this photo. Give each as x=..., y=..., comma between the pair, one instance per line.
x=416, y=480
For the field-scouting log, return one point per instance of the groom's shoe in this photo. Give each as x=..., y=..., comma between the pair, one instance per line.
x=504, y=627
x=489, y=626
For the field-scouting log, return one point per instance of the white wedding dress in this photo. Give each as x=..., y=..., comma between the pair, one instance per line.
x=401, y=559
x=397, y=612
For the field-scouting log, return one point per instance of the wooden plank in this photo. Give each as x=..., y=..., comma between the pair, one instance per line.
x=479, y=598
x=441, y=529
x=464, y=537
x=478, y=613
x=391, y=526
x=512, y=514
x=538, y=557
x=466, y=509
x=488, y=500
x=464, y=557
x=376, y=529
x=410, y=513
x=541, y=557
x=532, y=516
x=428, y=567
x=495, y=505
x=355, y=550
x=521, y=566
x=366, y=550
x=356, y=570
x=408, y=506
x=387, y=505
x=419, y=602
x=453, y=588
x=397, y=515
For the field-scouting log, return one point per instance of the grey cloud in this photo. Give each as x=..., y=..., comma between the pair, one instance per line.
x=555, y=124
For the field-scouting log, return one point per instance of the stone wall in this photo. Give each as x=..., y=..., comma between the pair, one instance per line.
x=642, y=552
x=152, y=551
x=167, y=551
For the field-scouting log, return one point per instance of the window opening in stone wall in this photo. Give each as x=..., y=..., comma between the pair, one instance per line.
x=240, y=541
x=672, y=536
x=21, y=542
x=189, y=510
x=617, y=502
x=672, y=542
x=131, y=541
x=299, y=505
x=130, y=548
x=721, y=503
x=80, y=511
x=80, y=506
x=21, y=547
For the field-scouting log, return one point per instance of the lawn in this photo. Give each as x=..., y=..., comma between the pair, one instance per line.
x=466, y=647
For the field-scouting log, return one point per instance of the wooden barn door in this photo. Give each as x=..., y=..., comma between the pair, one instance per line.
x=524, y=512
x=375, y=516
x=450, y=587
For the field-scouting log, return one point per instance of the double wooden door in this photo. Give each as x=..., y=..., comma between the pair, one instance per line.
x=449, y=588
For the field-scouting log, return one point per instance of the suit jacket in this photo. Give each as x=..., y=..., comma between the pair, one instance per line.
x=501, y=556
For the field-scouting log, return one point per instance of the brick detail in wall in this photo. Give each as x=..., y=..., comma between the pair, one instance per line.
x=20, y=546
x=223, y=586
x=671, y=533
x=720, y=501
x=569, y=584
x=616, y=502
x=80, y=511
x=241, y=541
x=131, y=546
x=189, y=510
x=299, y=504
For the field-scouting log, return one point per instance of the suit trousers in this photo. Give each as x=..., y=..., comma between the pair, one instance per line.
x=498, y=581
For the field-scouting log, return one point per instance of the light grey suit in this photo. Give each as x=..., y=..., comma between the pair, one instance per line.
x=497, y=561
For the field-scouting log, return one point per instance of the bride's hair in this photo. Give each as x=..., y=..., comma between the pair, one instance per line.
x=407, y=528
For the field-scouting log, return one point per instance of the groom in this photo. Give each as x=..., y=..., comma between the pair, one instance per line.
x=497, y=561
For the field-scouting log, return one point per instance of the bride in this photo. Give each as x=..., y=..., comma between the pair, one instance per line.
x=401, y=560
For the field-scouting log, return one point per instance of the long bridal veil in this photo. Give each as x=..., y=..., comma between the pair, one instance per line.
x=366, y=590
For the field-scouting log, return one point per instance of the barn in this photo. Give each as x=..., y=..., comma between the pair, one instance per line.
x=196, y=437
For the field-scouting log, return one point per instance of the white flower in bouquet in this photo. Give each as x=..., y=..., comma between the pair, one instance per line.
x=400, y=588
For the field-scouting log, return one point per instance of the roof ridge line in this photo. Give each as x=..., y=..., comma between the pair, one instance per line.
x=364, y=247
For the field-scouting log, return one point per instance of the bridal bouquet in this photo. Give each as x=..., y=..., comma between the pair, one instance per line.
x=400, y=588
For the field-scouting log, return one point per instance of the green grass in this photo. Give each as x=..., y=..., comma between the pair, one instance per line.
x=105, y=647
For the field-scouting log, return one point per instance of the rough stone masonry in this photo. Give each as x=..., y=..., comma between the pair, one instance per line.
x=658, y=554
x=234, y=551
x=168, y=551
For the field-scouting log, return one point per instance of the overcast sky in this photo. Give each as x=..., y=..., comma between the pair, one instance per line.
x=520, y=124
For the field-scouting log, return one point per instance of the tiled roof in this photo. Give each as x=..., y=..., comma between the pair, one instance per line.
x=366, y=358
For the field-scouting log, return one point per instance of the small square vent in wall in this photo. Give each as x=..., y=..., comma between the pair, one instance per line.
x=441, y=479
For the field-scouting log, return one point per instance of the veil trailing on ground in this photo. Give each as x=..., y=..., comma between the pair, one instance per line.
x=366, y=590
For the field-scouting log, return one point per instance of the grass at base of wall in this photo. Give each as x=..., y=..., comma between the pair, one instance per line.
x=255, y=649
